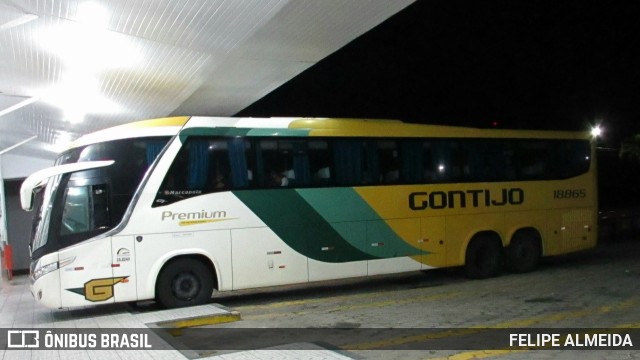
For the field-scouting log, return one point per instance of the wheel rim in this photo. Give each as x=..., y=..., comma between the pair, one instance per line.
x=525, y=253
x=185, y=286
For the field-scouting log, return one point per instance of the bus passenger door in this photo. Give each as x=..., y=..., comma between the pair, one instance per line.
x=123, y=265
x=432, y=241
x=86, y=274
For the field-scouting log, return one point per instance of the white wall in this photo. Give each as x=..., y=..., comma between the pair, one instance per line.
x=12, y=217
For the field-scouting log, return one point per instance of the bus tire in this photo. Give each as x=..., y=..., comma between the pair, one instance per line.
x=482, y=258
x=523, y=254
x=184, y=282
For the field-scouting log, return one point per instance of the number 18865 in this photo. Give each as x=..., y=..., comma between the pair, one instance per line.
x=569, y=194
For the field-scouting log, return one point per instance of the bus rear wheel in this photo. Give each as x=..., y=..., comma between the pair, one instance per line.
x=482, y=259
x=184, y=282
x=523, y=254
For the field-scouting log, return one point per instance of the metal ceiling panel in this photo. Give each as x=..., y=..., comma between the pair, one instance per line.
x=92, y=64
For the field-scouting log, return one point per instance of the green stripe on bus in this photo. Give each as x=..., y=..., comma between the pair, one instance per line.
x=357, y=222
x=213, y=131
x=337, y=205
x=279, y=132
x=331, y=225
x=232, y=131
x=299, y=225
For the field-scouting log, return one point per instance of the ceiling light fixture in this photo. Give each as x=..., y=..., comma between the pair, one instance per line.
x=87, y=49
x=78, y=95
x=92, y=14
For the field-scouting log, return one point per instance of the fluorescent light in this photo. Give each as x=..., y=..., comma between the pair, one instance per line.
x=77, y=95
x=596, y=131
x=19, y=105
x=19, y=21
x=87, y=46
x=88, y=49
x=93, y=14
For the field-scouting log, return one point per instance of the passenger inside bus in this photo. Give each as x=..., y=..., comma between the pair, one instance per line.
x=278, y=179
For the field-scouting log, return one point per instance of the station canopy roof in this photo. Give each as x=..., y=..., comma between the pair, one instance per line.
x=71, y=67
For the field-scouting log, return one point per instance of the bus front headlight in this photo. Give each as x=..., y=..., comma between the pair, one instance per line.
x=43, y=270
x=40, y=271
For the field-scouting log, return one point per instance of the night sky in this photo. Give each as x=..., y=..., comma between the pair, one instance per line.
x=558, y=65
x=553, y=65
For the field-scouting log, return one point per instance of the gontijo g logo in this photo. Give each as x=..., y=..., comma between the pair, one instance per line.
x=99, y=289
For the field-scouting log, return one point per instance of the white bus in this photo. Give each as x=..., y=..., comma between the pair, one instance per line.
x=174, y=209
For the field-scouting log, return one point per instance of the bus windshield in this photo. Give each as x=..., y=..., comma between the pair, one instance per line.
x=42, y=213
x=77, y=206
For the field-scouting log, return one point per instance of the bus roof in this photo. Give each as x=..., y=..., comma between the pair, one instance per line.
x=311, y=127
x=366, y=127
x=169, y=126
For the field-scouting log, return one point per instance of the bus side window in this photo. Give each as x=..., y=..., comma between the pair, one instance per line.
x=571, y=158
x=239, y=161
x=197, y=164
x=441, y=155
x=301, y=167
x=388, y=158
x=490, y=160
x=459, y=165
x=371, y=174
x=413, y=153
x=202, y=166
x=319, y=162
x=347, y=158
x=534, y=158
x=508, y=154
x=430, y=173
x=276, y=163
x=356, y=162
x=284, y=163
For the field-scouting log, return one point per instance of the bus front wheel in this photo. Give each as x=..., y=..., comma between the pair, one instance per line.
x=184, y=282
x=482, y=258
